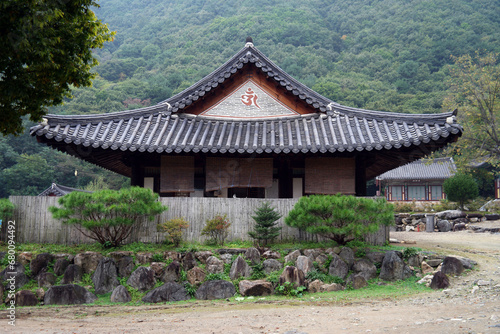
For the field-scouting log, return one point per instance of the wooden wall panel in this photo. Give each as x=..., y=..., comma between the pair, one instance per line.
x=330, y=176
x=177, y=174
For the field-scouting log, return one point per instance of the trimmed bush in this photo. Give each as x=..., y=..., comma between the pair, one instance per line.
x=461, y=188
x=174, y=229
x=217, y=229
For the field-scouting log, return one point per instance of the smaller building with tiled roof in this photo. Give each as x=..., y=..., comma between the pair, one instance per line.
x=421, y=180
x=59, y=190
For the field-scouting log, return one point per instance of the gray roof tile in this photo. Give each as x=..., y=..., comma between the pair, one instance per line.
x=440, y=168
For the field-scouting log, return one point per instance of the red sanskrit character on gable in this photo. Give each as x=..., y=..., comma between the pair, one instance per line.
x=249, y=98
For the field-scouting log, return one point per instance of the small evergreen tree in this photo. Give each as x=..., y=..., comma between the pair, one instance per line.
x=266, y=228
x=461, y=188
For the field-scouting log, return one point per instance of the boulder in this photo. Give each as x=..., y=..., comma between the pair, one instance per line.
x=332, y=287
x=315, y=286
x=88, y=261
x=393, y=268
x=172, y=272
x=270, y=254
x=347, y=254
x=253, y=255
x=467, y=263
x=25, y=258
x=158, y=268
x=73, y=273
x=15, y=275
x=226, y=258
x=365, y=268
x=188, y=261
x=26, y=298
x=172, y=255
x=142, y=279
x=40, y=263
x=60, y=266
x=69, y=257
x=305, y=264
x=240, y=268
x=271, y=265
x=357, y=281
x=459, y=227
x=312, y=253
x=144, y=257
x=125, y=266
x=334, y=250
x=434, y=261
x=255, y=288
x=68, y=294
x=196, y=276
x=452, y=266
x=293, y=275
x=450, y=214
x=426, y=269
x=338, y=267
x=214, y=265
x=105, y=277
x=168, y=292
x=120, y=295
x=203, y=256
x=40, y=293
x=292, y=257
x=444, y=226
x=440, y=281
x=415, y=260
x=217, y=289
x=321, y=260
x=46, y=280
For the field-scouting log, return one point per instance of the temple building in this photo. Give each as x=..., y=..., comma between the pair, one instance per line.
x=248, y=129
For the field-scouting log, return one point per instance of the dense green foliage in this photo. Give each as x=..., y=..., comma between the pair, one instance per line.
x=45, y=48
x=460, y=188
x=265, y=228
x=216, y=229
x=340, y=218
x=108, y=216
x=6, y=209
x=382, y=55
x=174, y=228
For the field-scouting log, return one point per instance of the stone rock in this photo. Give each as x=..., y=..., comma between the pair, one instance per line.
x=188, y=261
x=375, y=257
x=73, y=273
x=88, y=261
x=26, y=298
x=142, y=279
x=483, y=283
x=120, y=295
x=365, y=268
x=172, y=255
x=196, y=276
x=450, y=214
x=203, y=256
x=25, y=258
x=467, y=263
x=331, y=287
x=158, y=268
x=105, y=277
x=292, y=257
x=321, y=260
x=357, y=281
x=119, y=255
x=46, y=280
x=315, y=286
x=434, y=262
x=40, y=263
x=214, y=265
x=271, y=255
x=440, y=281
x=17, y=272
x=426, y=269
x=271, y=265
x=459, y=227
x=255, y=288
x=69, y=257
x=305, y=264
x=240, y=268
x=347, y=254
x=393, y=268
x=172, y=272
x=338, y=267
x=444, y=226
x=312, y=253
x=293, y=275
x=226, y=258
x=452, y=266
x=40, y=293
x=68, y=294
x=144, y=257
x=334, y=250
x=60, y=266
x=168, y=292
x=125, y=266
x=217, y=289
x=253, y=255
x=415, y=260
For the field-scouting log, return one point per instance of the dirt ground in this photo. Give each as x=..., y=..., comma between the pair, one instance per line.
x=464, y=308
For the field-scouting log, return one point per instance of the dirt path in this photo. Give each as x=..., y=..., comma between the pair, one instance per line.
x=456, y=310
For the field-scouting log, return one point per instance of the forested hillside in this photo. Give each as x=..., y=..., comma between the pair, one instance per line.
x=383, y=55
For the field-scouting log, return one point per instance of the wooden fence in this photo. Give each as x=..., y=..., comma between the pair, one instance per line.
x=34, y=223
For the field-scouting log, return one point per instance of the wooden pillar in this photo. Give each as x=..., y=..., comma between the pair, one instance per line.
x=285, y=177
x=360, y=176
x=137, y=178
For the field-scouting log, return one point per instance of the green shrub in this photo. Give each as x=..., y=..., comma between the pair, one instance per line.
x=287, y=289
x=461, y=188
x=402, y=207
x=217, y=229
x=325, y=278
x=108, y=216
x=174, y=228
x=265, y=228
x=409, y=252
x=340, y=218
x=6, y=209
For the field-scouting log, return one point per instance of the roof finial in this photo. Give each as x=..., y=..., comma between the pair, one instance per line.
x=249, y=42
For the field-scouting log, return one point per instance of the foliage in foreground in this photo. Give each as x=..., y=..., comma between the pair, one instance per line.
x=265, y=228
x=174, y=228
x=6, y=208
x=340, y=218
x=461, y=188
x=108, y=216
x=217, y=229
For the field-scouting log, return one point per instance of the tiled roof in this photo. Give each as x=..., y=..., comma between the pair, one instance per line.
x=424, y=169
x=59, y=190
